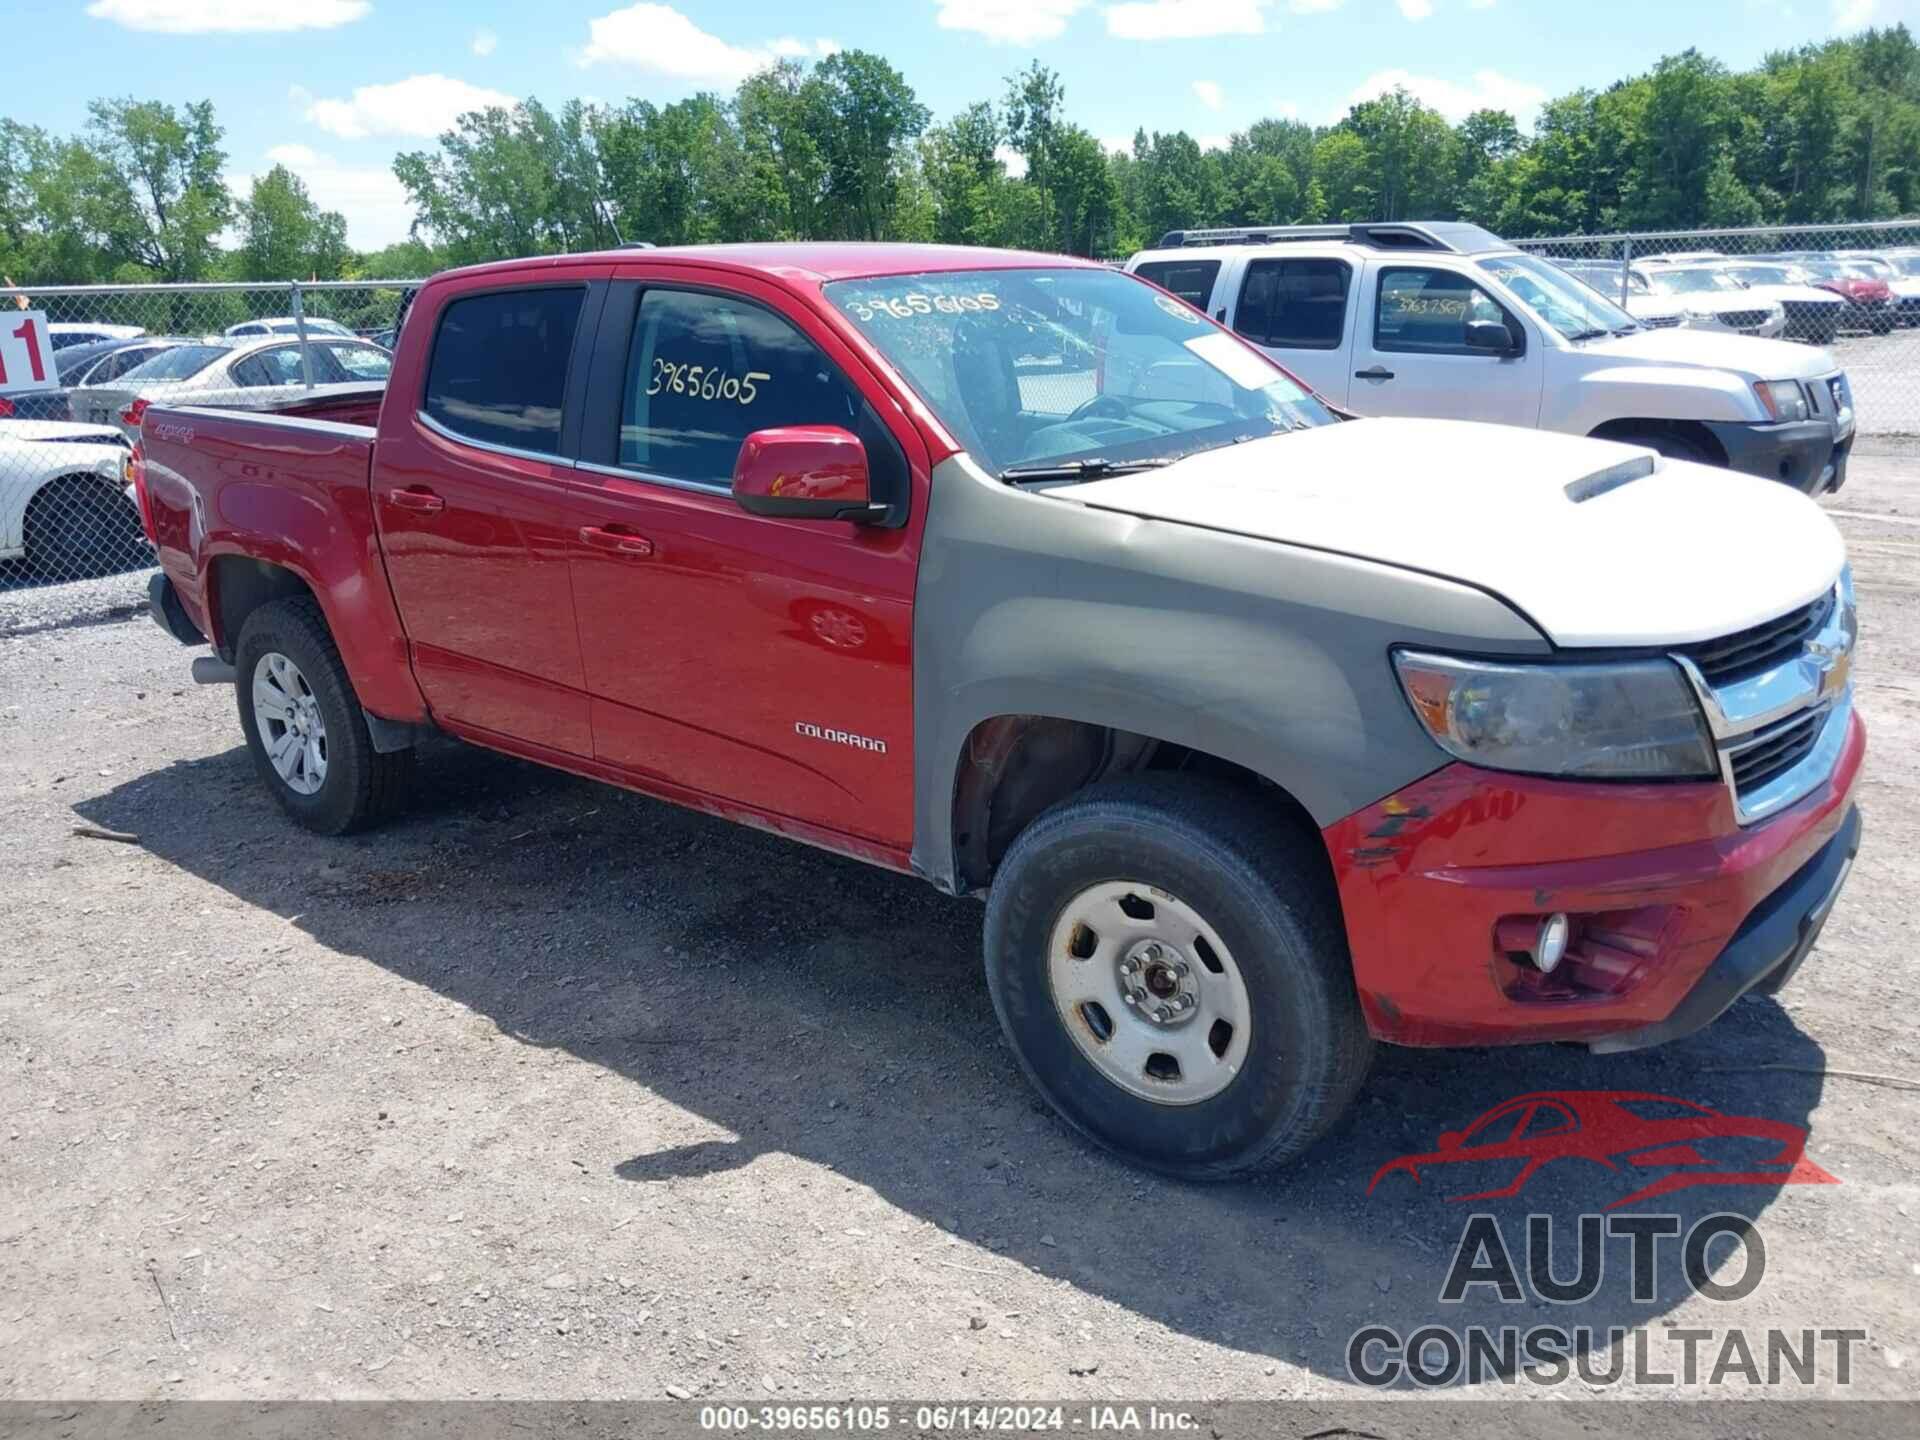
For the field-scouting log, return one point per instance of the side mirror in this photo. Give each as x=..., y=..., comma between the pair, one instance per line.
x=1491, y=336
x=805, y=472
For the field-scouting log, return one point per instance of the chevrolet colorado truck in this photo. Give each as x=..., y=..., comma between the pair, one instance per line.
x=1266, y=735
x=1448, y=321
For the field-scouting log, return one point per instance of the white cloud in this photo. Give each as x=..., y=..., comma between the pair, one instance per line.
x=1015, y=162
x=420, y=105
x=1117, y=144
x=201, y=17
x=1210, y=93
x=1186, y=19
x=374, y=203
x=1214, y=142
x=484, y=42
x=661, y=41
x=1009, y=22
x=1858, y=14
x=1416, y=9
x=788, y=48
x=1317, y=7
x=1490, y=90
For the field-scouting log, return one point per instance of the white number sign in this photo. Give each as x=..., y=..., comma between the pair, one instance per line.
x=26, y=354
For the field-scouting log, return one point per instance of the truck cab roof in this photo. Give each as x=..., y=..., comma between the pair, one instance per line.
x=810, y=263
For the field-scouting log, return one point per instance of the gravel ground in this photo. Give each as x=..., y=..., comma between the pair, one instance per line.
x=549, y=1090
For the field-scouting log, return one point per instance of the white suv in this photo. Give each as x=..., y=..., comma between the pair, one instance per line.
x=1446, y=320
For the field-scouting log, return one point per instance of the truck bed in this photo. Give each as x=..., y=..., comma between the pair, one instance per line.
x=231, y=492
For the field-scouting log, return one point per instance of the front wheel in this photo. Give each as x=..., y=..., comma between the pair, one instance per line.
x=1168, y=963
x=304, y=725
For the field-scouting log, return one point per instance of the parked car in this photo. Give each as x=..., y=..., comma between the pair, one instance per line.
x=1870, y=301
x=1202, y=679
x=98, y=362
x=1813, y=314
x=1905, y=288
x=233, y=374
x=1714, y=300
x=1447, y=321
x=64, y=501
x=1655, y=312
x=287, y=325
x=62, y=333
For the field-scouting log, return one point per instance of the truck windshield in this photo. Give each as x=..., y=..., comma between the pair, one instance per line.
x=1693, y=282
x=1043, y=369
x=1577, y=311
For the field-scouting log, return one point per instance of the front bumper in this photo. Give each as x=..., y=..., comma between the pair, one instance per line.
x=1677, y=908
x=1809, y=455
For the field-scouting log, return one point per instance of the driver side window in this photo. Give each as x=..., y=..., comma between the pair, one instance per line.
x=1427, y=311
x=706, y=371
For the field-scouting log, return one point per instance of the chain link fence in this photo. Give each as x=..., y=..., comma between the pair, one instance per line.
x=1854, y=289
x=78, y=364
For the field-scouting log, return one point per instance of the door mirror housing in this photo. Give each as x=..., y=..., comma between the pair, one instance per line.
x=1491, y=336
x=805, y=472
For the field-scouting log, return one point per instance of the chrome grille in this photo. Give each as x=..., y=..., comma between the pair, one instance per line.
x=1659, y=322
x=1748, y=652
x=1773, y=750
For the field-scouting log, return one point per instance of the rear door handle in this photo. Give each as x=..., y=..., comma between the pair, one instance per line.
x=418, y=499
x=1377, y=372
x=617, y=538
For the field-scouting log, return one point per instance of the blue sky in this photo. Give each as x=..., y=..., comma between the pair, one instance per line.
x=336, y=87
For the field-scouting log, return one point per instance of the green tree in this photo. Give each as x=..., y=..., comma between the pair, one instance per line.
x=153, y=190
x=873, y=118
x=285, y=236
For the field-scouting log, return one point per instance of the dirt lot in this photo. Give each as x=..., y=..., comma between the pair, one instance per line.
x=549, y=1090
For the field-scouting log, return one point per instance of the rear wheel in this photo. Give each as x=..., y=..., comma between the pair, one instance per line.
x=79, y=526
x=304, y=725
x=1169, y=966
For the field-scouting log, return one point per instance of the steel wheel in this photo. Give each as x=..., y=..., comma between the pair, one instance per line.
x=292, y=730
x=1149, y=993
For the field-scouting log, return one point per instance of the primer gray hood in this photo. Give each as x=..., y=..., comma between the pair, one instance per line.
x=1671, y=553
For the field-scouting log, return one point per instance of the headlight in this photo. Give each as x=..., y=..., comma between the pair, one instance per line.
x=1635, y=719
x=1782, y=399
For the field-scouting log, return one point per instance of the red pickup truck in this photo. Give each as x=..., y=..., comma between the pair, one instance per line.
x=1267, y=734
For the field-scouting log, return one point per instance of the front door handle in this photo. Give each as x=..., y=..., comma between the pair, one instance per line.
x=418, y=499
x=1377, y=372
x=617, y=538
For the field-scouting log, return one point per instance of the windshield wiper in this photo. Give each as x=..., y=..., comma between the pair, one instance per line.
x=1593, y=334
x=1090, y=469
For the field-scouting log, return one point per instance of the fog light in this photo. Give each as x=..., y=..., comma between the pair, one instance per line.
x=1550, y=946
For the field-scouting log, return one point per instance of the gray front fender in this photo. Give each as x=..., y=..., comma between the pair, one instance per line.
x=1274, y=657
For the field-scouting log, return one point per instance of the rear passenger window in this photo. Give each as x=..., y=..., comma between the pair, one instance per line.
x=705, y=372
x=1294, y=304
x=269, y=367
x=499, y=368
x=1191, y=280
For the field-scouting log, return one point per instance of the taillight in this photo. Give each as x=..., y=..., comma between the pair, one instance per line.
x=131, y=415
x=136, y=472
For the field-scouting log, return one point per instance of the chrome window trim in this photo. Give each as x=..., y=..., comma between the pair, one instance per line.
x=547, y=457
x=649, y=477
x=1735, y=713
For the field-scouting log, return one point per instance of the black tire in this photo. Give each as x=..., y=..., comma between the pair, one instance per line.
x=79, y=526
x=1674, y=447
x=1269, y=898
x=361, y=785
